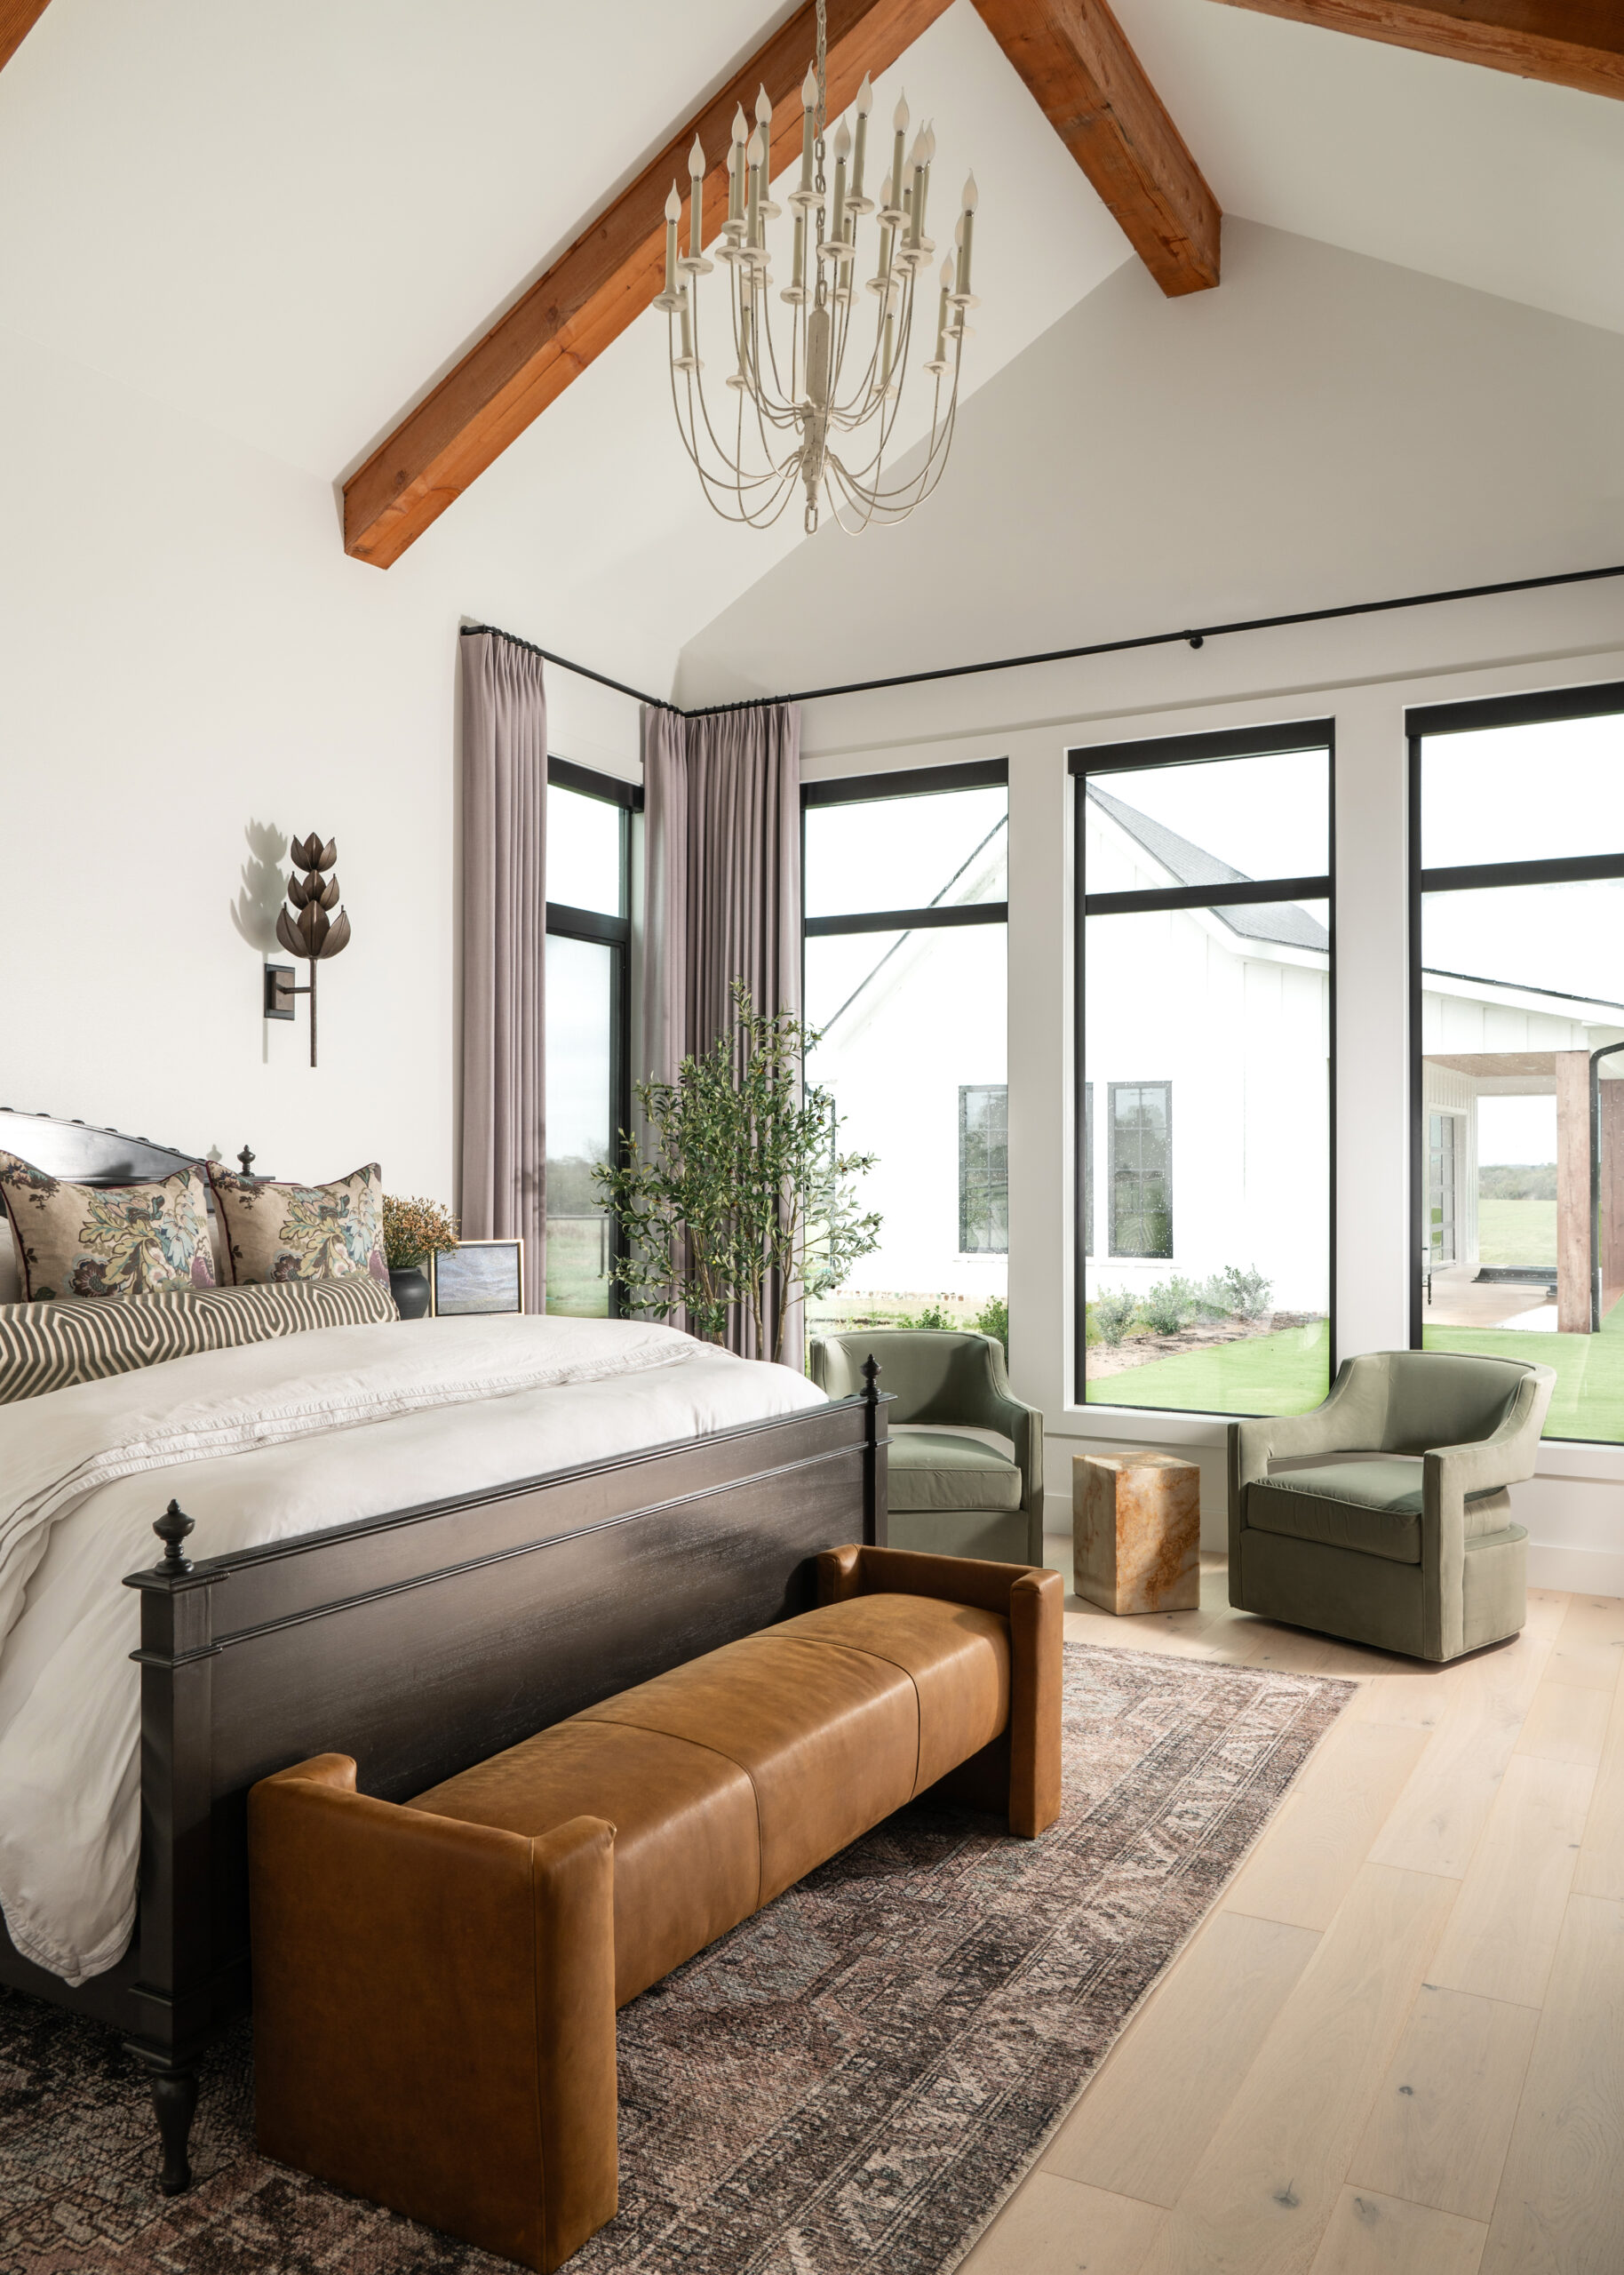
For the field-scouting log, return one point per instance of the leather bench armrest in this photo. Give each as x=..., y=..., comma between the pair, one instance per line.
x=447, y=1992
x=1033, y=1602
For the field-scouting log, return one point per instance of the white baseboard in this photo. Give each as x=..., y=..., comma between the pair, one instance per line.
x=1551, y=1564
x=1584, y=1571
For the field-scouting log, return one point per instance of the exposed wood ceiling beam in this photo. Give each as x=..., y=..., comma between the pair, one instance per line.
x=1571, y=43
x=18, y=18
x=609, y=276
x=1092, y=87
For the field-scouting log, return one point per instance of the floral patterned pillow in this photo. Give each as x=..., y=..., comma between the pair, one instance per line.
x=105, y=1239
x=302, y=1232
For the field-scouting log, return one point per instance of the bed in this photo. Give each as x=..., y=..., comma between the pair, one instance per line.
x=500, y=1596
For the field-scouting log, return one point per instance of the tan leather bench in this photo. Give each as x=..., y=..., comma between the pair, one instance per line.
x=435, y=1985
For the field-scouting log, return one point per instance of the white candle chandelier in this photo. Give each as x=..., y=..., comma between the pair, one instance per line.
x=796, y=416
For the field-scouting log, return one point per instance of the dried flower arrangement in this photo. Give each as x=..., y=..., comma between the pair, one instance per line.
x=415, y=1230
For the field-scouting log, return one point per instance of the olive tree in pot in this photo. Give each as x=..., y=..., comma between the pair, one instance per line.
x=736, y=1202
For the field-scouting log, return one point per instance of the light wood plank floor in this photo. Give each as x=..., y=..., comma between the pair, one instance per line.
x=1396, y=2046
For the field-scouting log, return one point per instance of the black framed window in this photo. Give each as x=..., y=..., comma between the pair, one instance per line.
x=1206, y=966
x=1517, y=976
x=588, y=1024
x=905, y=895
x=984, y=1169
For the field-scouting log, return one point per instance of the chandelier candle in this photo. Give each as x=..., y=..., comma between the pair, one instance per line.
x=808, y=134
x=735, y=178
x=816, y=408
x=967, y=223
x=696, y=178
x=899, y=121
x=865, y=104
x=673, y=214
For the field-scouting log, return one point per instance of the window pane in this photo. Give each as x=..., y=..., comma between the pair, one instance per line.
x=585, y=865
x=1140, y=1169
x=1523, y=1255
x=950, y=848
x=984, y=1169
x=580, y=1055
x=1206, y=1044
x=1522, y=793
x=913, y=1049
x=1218, y=821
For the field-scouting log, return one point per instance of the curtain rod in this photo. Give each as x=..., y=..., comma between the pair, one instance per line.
x=1196, y=636
x=581, y=671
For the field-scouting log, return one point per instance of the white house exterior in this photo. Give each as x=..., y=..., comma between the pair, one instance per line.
x=1221, y=1018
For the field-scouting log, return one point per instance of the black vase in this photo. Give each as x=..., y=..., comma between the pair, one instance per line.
x=409, y=1289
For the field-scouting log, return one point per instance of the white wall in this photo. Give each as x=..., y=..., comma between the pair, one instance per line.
x=190, y=671
x=1324, y=429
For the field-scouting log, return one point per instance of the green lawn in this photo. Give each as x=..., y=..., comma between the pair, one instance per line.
x=1283, y=1373
x=1588, y=1400
x=1517, y=1232
x=576, y=1287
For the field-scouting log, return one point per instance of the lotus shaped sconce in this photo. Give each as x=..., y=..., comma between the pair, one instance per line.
x=311, y=934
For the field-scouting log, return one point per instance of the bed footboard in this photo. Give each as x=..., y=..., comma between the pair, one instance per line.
x=422, y=1641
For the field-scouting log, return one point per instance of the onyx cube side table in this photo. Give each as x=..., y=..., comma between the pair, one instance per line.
x=1136, y=1531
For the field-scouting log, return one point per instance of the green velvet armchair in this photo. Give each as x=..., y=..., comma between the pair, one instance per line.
x=949, y=1496
x=1383, y=1515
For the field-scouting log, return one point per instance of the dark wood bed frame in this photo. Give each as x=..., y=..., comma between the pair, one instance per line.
x=419, y=1642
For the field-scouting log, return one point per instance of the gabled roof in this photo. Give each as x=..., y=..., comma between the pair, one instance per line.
x=1281, y=920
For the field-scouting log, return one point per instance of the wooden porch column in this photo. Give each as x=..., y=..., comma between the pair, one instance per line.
x=1573, y=1192
x=1612, y=1210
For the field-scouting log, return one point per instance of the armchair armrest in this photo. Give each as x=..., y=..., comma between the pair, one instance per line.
x=1348, y=1420
x=1448, y=1474
x=991, y=1405
x=1033, y=1602
x=1506, y=1455
x=429, y=1979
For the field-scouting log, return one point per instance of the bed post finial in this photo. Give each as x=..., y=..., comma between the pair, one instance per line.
x=871, y=1377
x=246, y=1158
x=171, y=1528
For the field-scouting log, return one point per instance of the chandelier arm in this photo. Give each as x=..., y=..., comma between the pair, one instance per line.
x=733, y=478
x=930, y=474
x=687, y=435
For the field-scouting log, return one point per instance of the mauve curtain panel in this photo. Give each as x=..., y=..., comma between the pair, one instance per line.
x=503, y=934
x=721, y=816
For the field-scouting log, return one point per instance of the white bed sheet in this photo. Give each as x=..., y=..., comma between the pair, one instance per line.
x=69, y=1695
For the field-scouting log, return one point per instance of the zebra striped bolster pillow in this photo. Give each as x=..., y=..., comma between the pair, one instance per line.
x=51, y=1345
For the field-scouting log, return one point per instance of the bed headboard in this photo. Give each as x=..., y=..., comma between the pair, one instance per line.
x=81, y=1155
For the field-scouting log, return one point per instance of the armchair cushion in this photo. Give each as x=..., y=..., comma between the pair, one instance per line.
x=1372, y=1505
x=932, y=1469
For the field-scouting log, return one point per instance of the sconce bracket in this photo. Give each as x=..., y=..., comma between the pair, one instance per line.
x=280, y=991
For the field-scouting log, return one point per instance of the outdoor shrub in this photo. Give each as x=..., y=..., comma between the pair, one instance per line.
x=1115, y=1310
x=933, y=1316
x=1213, y=1300
x=1169, y=1305
x=994, y=1319
x=1247, y=1292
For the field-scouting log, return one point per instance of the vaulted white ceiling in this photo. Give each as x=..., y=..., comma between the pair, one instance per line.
x=285, y=221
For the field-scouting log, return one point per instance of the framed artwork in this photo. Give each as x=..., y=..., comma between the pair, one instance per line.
x=477, y=1276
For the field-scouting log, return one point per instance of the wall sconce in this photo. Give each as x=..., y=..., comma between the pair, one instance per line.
x=311, y=934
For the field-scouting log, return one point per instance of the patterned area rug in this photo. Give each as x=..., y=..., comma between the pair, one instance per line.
x=854, y=2079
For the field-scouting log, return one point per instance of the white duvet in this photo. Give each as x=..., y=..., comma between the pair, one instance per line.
x=401, y=1417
